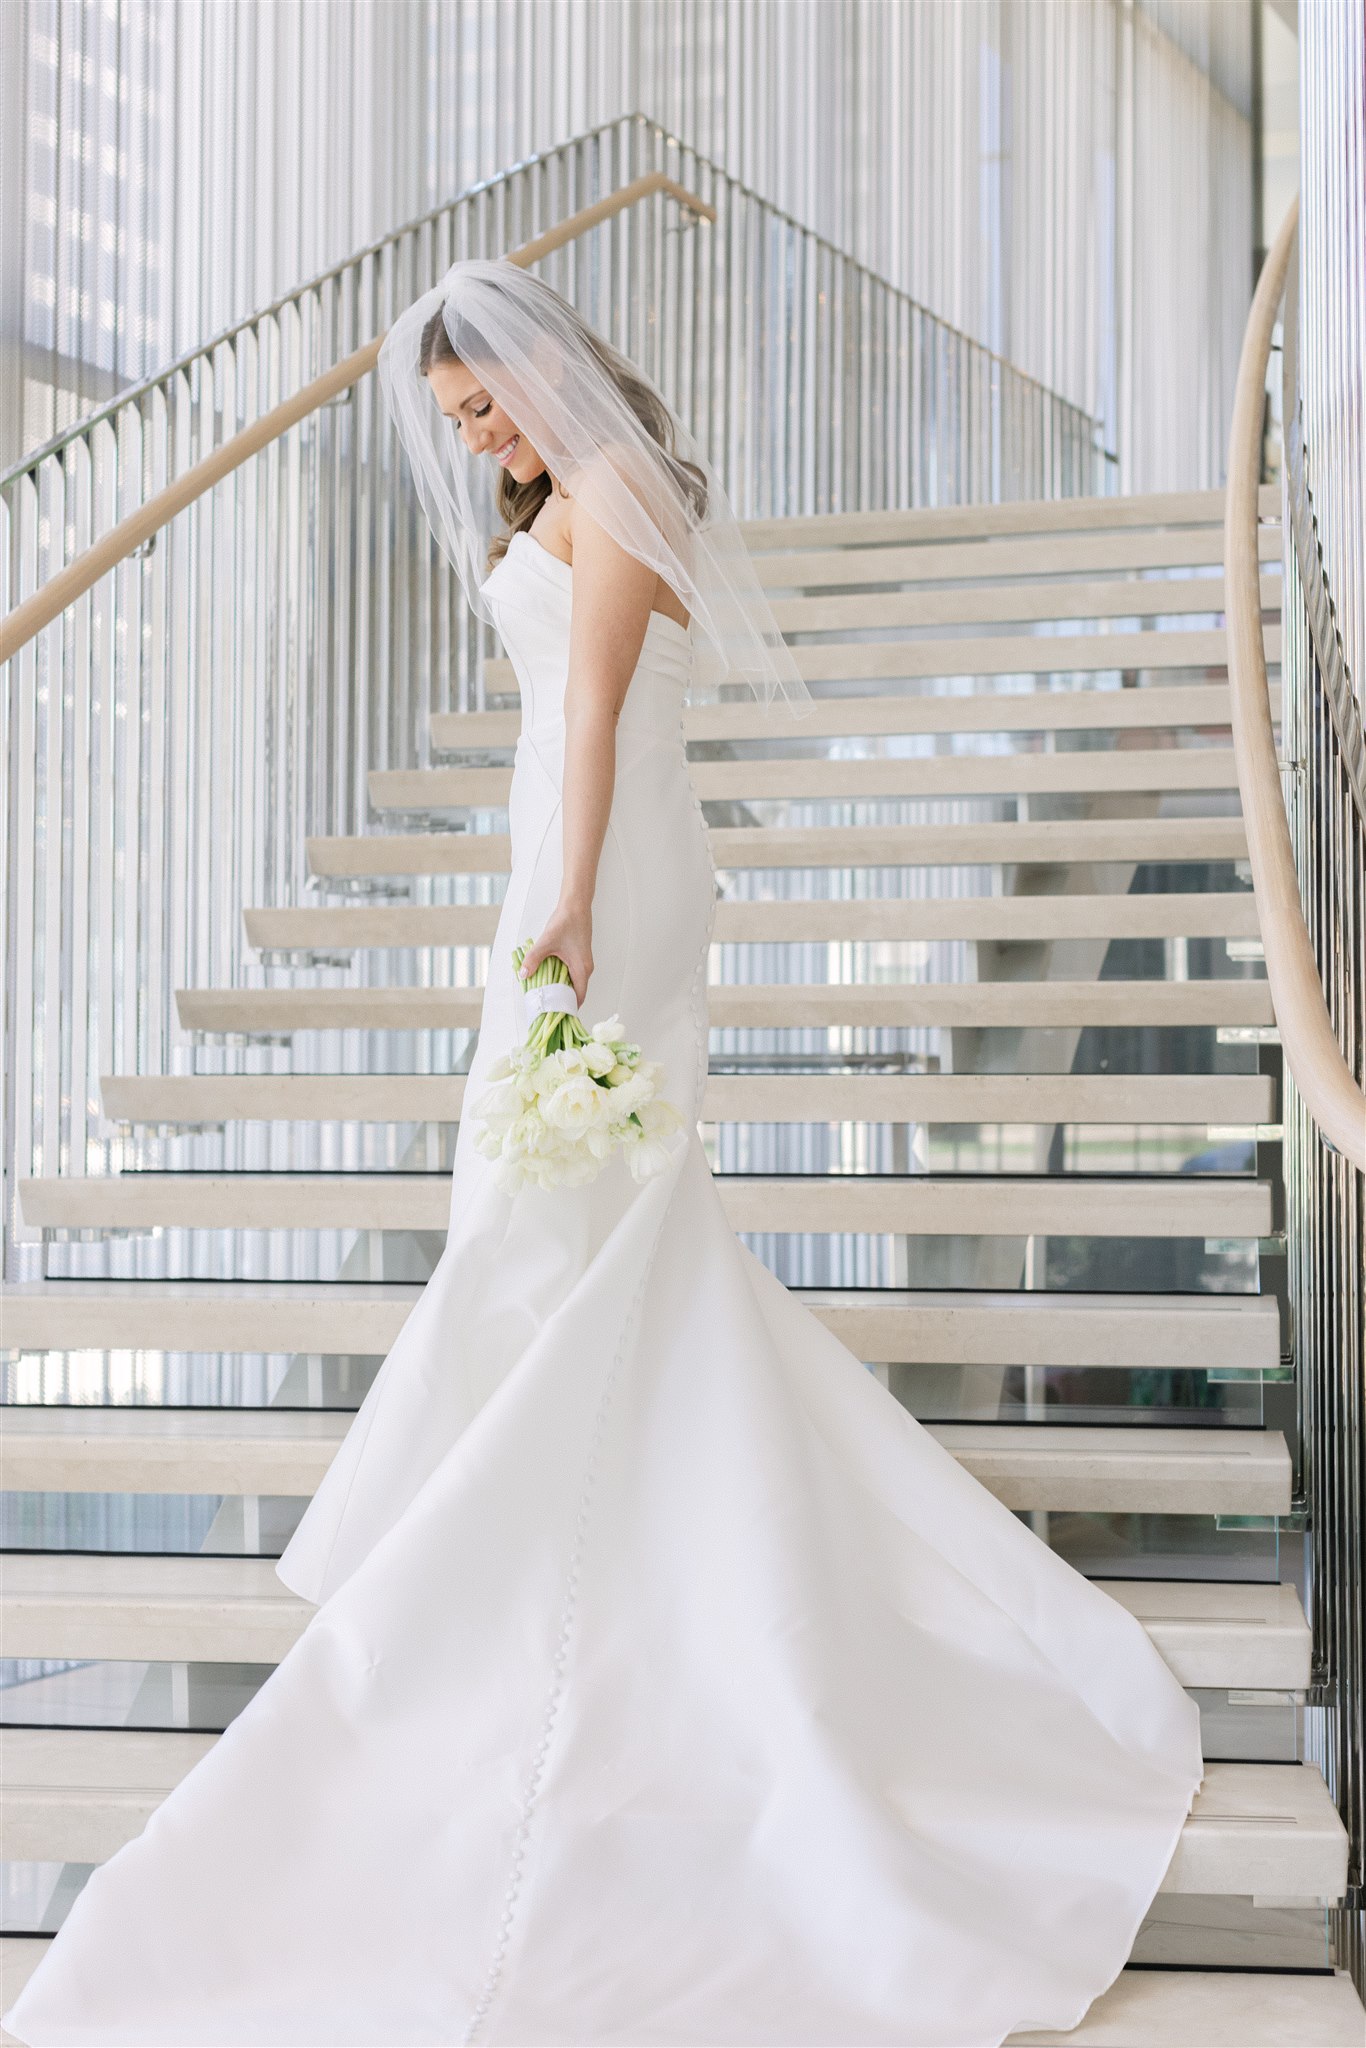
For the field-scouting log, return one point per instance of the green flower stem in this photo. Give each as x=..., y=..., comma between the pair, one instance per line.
x=551, y=1030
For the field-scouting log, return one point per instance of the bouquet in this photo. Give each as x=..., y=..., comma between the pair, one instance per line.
x=562, y=1103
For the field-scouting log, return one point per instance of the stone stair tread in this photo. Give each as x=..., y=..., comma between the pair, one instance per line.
x=1192, y=1098
x=1216, y=1633
x=986, y=654
x=817, y=778
x=773, y=1006
x=1079, y=709
x=1259, y=1309
x=1142, y=2009
x=34, y=1421
x=1103, y=512
x=939, y=1326
x=74, y=1794
x=278, y=1451
x=1194, y=1205
x=1216, y=2009
x=1228, y=913
x=1048, y=841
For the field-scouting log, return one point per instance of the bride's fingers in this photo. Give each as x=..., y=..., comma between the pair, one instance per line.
x=534, y=955
x=542, y=950
x=580, y=969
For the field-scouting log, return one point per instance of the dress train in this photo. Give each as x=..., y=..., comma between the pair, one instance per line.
x=669, y=1681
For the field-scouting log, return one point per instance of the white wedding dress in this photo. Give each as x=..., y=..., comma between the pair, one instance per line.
x=670, y=1682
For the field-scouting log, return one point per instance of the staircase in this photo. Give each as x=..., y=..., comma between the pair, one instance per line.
x=993, y=1086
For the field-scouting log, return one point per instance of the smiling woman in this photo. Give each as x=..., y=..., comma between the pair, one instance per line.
x=532, y=495
x=615, y=595
x=493, y=363
x=670, y=1681
x=536, y=499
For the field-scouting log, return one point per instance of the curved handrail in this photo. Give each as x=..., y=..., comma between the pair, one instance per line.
x=28, y=619
x=1322, y=1075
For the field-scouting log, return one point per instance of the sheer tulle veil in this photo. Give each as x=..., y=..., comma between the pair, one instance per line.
x=609, y=438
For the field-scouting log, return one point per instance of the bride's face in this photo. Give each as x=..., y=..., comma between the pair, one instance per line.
x=480, y=421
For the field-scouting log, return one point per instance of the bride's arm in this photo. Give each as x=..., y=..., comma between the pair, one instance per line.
x=611, y=611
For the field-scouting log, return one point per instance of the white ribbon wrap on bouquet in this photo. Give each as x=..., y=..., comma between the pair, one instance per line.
x=550, y=995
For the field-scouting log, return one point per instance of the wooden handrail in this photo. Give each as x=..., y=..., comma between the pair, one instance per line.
x=29, y=618
x=1309, y=1043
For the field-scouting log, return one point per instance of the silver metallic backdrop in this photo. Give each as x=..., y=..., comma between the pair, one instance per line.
x=1324, y=742
x=175, y=737
x=171, y=742
x=1068, y=181
x=1332, y=306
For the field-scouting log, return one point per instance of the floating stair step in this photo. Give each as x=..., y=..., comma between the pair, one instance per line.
x=990, y=654
x=1163, y=705
x=87, y=1449
x=75, y=1795
x=1216, y=2009
x=1077, y=1205
x=1167, y=1099
x=842, y=560
x=1049, y=842
x=1080, y=515
x=1176, y=1005
x=829, y=551
x=980, y=604
x=903, y=1326
x=1142, y=2008
x=1138, y=1468
x=977, y=1327
x=1223, y=1635
x=935, y=776
x=1214, y=1634
x=286, y=1451
x=227, y=1610
x=1001, y=920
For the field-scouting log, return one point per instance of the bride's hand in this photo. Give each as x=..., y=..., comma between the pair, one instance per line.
x=569, y=933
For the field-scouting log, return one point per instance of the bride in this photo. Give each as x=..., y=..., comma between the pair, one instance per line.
x=669, y=1682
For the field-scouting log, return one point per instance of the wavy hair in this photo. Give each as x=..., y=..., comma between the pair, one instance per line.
x=519, y=503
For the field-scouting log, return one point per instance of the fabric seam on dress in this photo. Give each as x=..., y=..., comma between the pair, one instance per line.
x=503, y=1939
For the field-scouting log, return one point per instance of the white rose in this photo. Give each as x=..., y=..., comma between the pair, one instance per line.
x=549, y=1074
x=658, y=1117
x=500, y=1103
x=629, y=1095
x=576, y=1105
x=647, y=1156
x=525, y=1138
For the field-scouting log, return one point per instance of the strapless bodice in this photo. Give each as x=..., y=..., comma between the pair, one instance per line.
x=531, y=592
